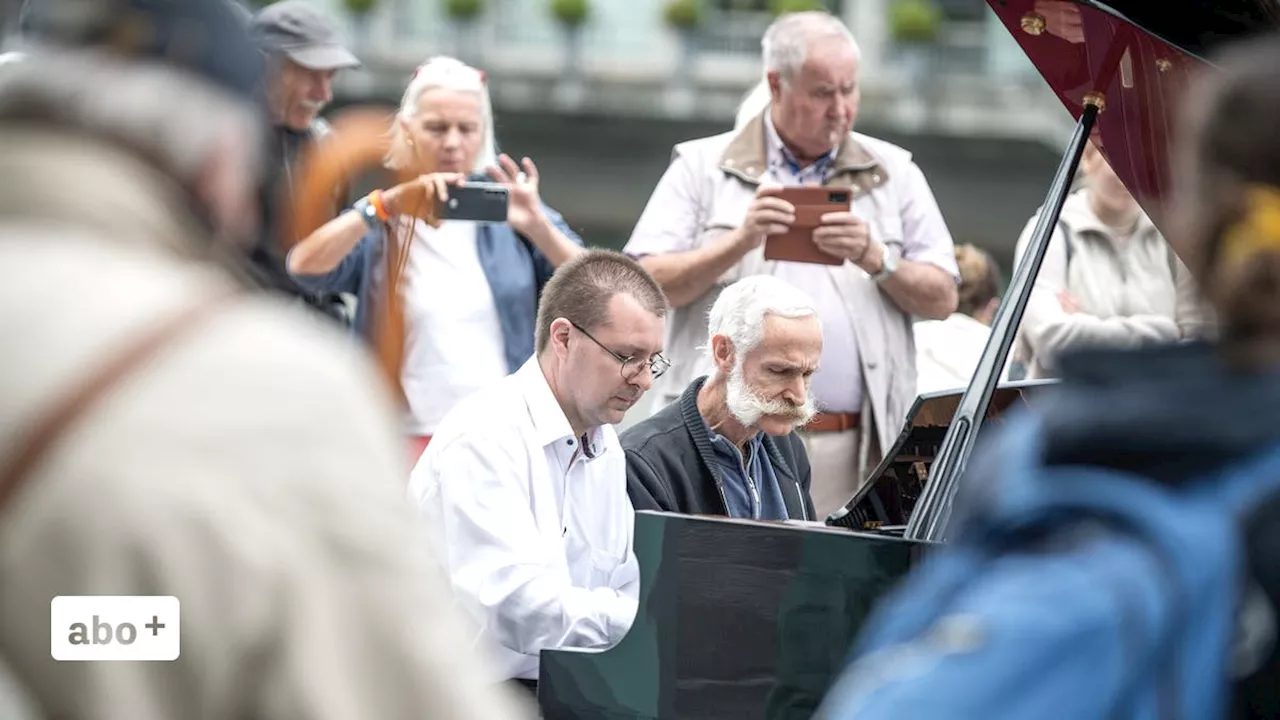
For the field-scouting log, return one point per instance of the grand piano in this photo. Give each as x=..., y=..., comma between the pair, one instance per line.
x=744, y=620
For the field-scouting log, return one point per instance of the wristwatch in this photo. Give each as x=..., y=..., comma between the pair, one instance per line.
x=888, y=262
x=368, y=212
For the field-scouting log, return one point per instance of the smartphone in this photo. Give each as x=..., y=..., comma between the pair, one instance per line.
x=475, y=202
x=811, y=203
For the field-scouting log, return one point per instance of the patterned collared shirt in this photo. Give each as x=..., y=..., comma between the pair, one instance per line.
x=783, y=164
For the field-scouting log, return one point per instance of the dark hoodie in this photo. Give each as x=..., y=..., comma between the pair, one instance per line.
x=1175, y=414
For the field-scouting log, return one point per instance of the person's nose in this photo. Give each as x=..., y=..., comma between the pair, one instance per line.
x=796, y=391
x=452, y=139
x=841, y=107
x=643, y=379
x=323, y=89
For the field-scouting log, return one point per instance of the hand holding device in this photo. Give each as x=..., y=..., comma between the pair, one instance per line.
x=811, y=204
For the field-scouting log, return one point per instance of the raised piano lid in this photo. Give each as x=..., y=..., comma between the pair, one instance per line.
x=1073, y=46
x=1138, y=55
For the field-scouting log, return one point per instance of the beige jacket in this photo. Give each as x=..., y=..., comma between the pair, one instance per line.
x=1131, y=291
x=706, y=192
x=254, y=471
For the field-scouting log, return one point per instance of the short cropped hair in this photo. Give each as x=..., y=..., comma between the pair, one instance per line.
x=580, y=291
x=740, y=310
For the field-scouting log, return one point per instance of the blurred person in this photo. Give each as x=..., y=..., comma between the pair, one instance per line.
x=948, y=351
x=1116, y=551
x=1108, y=278
x=525, y=484
x=163, y=434
x=470, y=289
x=707, y=220
x=729, y=445
x=305, y=51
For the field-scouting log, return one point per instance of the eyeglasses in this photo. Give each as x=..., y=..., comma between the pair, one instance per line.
x=631, y=366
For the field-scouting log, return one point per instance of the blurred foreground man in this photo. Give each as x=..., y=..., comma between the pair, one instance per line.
x=708, y=219
x=525, y=483
x=729, y=446
x=164, y=433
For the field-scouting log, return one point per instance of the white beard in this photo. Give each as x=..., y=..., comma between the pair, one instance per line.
x=747, y=407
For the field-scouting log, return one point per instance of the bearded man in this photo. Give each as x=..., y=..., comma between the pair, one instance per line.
x=729, y=446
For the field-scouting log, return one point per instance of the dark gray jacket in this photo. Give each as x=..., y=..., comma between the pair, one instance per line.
x=671, y=464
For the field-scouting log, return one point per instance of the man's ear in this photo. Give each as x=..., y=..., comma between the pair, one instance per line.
x=224, y=186
x=774, y=79
x=559, y=337
x=722, y=353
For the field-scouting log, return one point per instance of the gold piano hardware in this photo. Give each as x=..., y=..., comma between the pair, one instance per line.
x=1096, y=99
x=1033, y=23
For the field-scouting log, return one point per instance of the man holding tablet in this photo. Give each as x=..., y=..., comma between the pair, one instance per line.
x=731, y=206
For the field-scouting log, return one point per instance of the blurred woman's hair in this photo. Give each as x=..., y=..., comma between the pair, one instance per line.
x=1227, y=203
x=979, y=279
x=170, y=118
x=446, y=73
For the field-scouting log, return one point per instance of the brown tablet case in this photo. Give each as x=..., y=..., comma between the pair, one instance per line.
x=811, y=203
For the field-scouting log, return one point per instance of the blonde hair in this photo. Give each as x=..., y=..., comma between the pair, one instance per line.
x=449, y=74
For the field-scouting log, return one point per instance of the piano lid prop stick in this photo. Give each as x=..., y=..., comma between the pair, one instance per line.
x=929, y=520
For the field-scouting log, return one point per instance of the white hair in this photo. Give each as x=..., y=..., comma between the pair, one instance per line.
x=786, y=43
x=739, y=312
x=449, y=74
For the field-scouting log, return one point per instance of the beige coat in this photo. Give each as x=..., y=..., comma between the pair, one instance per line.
x=706, y=192
x=1132, y=291
x=254, y=470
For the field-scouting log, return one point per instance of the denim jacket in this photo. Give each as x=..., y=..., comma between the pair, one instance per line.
x=515, y=269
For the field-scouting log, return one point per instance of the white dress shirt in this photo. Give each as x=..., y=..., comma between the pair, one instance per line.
x=534, y=527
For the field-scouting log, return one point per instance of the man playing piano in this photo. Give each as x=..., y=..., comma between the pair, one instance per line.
x=524, y=483
x=728, y=446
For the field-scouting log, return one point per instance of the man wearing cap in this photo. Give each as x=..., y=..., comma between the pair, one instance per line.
x=305, y=51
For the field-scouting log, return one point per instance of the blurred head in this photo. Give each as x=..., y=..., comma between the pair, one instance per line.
x=185, y=97
x=1105, y=187
x=601, y=324
x=199, y=137
x=811, y=66
x=445, y=122
x=306, y=51
x=1227, y=196
x=979, y=283
x=765, y=341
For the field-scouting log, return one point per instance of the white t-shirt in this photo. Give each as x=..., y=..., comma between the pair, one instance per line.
x=453, y=340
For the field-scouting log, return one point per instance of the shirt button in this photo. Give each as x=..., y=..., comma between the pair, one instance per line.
x=568, y=442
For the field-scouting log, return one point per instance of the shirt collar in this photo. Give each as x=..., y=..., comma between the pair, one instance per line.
x=780, y=155
x=550, y=426
x=752, y=446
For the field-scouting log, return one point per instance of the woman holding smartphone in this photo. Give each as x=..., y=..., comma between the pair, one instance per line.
x=470, y=290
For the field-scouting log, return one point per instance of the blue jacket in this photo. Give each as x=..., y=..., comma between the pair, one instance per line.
x=515, y=269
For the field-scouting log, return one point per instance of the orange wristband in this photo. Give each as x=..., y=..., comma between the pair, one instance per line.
x=375, y=199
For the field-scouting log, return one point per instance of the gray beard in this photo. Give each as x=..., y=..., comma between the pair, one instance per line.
x=747, y=407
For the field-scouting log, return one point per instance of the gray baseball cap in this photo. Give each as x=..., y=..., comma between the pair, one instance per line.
x=304, y=34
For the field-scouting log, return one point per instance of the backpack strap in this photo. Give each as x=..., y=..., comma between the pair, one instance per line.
x=44, y=433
